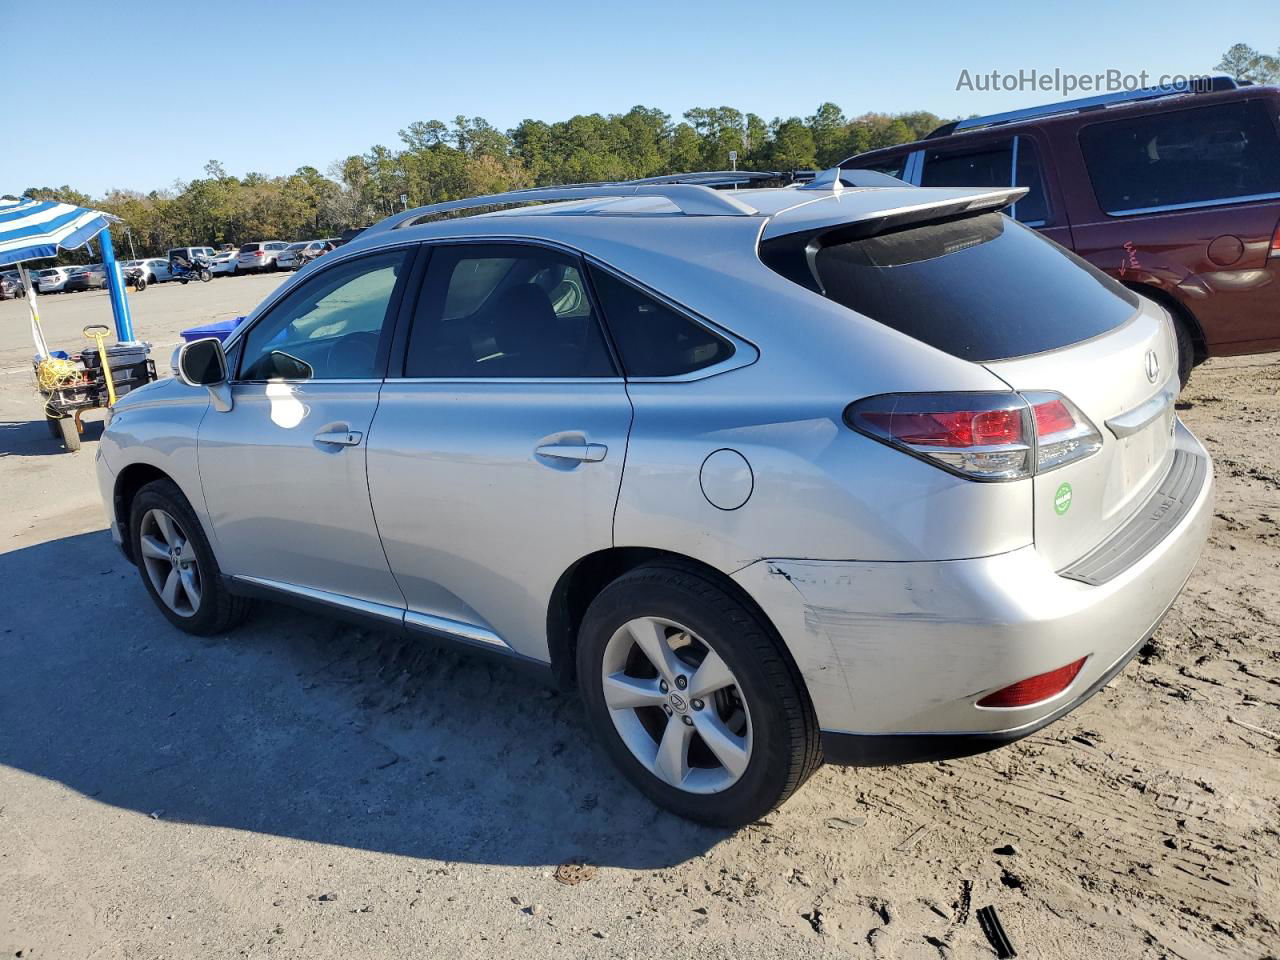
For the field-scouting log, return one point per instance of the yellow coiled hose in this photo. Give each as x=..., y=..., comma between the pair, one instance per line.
x=54, y=372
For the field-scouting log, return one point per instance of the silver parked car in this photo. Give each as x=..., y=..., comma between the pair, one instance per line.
x=259, y=256
x=874, y=475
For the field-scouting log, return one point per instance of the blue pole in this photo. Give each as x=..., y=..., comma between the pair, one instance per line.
x=115, y=286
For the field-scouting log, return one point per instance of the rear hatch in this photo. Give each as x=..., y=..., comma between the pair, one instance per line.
x=1125, y=382
x=1075, y=343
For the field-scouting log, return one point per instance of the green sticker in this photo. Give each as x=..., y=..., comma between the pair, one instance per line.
x=1062, y=499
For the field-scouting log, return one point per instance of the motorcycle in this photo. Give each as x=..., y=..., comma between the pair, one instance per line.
x=135, y=278
x=184, y=271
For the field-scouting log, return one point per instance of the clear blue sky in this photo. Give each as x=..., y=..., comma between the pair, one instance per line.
x=142, y=95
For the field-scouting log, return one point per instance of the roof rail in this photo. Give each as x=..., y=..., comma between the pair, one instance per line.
x=690, y=199
x=714, y=178
x=1100, y=102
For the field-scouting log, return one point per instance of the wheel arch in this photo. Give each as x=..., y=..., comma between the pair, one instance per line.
x=583, y=580
x=128, y=482
x=1179, y=311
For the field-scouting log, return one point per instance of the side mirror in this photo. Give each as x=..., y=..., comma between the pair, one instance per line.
x=201, y=363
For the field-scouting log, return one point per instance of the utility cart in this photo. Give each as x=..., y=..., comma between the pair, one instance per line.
x=83, y=382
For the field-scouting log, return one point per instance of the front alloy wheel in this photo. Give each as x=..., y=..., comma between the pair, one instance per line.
x=169, y=558
x=676, y=705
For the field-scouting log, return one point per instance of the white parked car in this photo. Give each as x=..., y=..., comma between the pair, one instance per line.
x=261, y=255
x=193, y=253
x=154, y=269
x=224, y=262
x=51, y=279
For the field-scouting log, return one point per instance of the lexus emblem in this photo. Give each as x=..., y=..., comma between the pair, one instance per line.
x=1152, y=366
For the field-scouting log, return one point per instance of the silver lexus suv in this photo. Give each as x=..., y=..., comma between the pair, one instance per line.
x=870, y=474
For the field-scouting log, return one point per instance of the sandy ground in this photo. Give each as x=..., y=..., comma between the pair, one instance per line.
x=303, y=789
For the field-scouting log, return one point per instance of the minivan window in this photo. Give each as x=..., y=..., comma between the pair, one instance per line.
x=652, y=339
x=981, y=288
x=1184, y=158
x=992, y=165
x=988, y=165
x=505, y=310
x=327, y=328
x=893, y=166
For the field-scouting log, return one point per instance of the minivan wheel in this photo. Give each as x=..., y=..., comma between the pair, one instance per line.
x=694, y=698
x=177, y=564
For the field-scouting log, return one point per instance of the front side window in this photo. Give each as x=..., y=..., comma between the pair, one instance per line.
x=1185, y=158
x=652, y=339
x=505, y=310
x=329, y=327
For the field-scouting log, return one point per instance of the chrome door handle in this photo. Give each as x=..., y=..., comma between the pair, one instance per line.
x=584, y=452
x=340, y=438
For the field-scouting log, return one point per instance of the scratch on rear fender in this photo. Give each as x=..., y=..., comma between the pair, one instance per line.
x=815, y=626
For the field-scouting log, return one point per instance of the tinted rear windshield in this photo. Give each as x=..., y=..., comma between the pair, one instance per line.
x=981, y=288
x=250, y=247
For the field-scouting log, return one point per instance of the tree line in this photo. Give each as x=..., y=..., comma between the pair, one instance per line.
x=436, y=161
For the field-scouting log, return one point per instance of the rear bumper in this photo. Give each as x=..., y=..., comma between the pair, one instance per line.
x=896, y=655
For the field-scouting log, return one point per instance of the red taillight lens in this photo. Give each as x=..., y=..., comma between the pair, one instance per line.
x=1035, y=689
x=981, y=436
x=958, y=428
x=1275, y=242
x=1052, y=416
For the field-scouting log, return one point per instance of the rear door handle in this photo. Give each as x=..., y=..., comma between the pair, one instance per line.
x=584, y=452
x=340, y=438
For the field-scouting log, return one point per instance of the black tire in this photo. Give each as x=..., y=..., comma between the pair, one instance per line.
x=70, y=435
x=184, y=280
x=786, y=744
x=1186, y=350
x=205, y=276
x=219, y=609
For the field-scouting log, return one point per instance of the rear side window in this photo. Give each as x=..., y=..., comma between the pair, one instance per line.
x=505, y=311
x=1186, y=158
x=652, y=339
x=981, y=288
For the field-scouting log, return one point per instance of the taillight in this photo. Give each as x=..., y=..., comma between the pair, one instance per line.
x=1037, y=689
x=1275, y=242
x=981, y=436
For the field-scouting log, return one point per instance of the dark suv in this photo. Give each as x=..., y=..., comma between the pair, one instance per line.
x=1174, y=192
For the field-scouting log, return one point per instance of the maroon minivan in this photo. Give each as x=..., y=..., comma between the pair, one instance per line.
x=1175, y=193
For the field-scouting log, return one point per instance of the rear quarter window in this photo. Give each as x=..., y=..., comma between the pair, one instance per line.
x=981, y=288
x=1184, y=158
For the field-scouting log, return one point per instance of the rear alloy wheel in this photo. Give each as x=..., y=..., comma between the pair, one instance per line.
x=694, y=697
x=676, y=705
x=177, y=564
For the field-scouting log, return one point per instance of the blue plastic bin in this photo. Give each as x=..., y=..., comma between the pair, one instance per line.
x=219, y=328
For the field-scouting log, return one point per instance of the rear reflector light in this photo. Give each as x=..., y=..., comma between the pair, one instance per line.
x=1275, y=242
x=982, y=436
x=1037, y=689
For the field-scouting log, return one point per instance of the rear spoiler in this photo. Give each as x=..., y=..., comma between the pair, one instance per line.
x=794, y=255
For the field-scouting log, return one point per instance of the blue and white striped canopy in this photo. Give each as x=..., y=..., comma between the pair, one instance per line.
x=32, y=229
